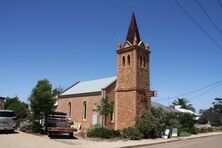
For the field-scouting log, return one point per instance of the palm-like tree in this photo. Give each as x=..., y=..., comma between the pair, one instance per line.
x=184, y=103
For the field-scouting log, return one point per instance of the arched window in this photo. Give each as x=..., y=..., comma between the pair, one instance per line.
x=123, y=61
x=141, y=61
x=128, y=60
x=69, y=109
x=84, y=110
x=112, y=113
x=144, y=62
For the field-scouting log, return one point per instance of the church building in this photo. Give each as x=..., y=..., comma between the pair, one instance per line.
x=128, y=92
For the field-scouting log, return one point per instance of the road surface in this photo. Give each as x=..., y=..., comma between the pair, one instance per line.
x=206, y=142
x=24, y=140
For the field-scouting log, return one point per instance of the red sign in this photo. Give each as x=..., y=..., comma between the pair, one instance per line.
x=155, y=93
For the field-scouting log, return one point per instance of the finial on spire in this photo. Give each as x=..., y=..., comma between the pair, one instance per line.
x=133, y=6
x=133, y=35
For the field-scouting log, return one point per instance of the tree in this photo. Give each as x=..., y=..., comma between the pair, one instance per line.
x=20, y=108
x=56, y=92
x=184, y=103
x=217, y=105
x=104, y=108
x=214, y=113
x=42, y=99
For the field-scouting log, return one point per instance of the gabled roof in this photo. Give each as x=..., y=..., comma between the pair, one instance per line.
x=89, y=86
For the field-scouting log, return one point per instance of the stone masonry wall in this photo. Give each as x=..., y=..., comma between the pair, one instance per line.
x=110, y=93
x=125, y=111
x=77, y=108
x=126, y=74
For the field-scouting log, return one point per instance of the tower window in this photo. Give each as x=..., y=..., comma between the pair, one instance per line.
x=141, y=61
x=128, y=60
x=112, y=113
x=144, y=62
x=84, y=110
x=123, y=61
x=69, y=109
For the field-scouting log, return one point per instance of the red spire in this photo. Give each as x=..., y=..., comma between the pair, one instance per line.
x=133, y=35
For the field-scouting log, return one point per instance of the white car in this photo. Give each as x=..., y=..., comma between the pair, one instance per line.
x=7, y=120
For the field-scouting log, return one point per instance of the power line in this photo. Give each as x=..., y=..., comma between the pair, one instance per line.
x=207, y=91
x=220, y=3
x=201, y=28
x=193, y=91
x=208, y=16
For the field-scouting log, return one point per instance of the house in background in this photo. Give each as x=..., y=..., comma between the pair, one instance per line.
x=167, y=109
x=182, y=110
x=128, y=92
x=2, y=102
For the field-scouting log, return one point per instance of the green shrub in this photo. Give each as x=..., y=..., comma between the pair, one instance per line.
x=186, y=122
x=131, y=133
x=147, y=125
x=102, y=132
x=152, y=124
x=193, y=130
x=184, y=134
x=36, y=127
x=162, y=119
x=216, y=123
x=174, y=123
x=202, y=120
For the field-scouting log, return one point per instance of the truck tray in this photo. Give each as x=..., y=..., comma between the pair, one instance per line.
x=60, y=129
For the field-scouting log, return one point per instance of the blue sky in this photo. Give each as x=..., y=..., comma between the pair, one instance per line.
x=67, y=41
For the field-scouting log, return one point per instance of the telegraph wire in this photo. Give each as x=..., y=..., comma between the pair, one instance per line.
x=207, y=91
x=194, y=91
x=219, y=2
x=196, y=22
x=208, y=16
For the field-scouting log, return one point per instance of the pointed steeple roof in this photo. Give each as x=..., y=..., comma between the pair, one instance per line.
x=133, y=35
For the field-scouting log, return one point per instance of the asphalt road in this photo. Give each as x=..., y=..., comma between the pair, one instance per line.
x=206, y=142
x=24, y=140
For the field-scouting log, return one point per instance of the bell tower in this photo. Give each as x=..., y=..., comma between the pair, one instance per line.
x=133, y=78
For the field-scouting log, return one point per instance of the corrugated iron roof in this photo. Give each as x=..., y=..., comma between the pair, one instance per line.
x=89, y=86
x=165, y=108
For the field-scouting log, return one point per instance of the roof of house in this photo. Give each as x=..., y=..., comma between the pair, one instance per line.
x=165, y=108
x=185, y=111
x=179, y=108
x=2, y=98
x=89, y=86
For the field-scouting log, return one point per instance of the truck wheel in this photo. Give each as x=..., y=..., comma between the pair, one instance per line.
x=49, y=134
x=71, y=135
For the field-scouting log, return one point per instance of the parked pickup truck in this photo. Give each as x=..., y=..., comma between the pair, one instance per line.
x=57, y=123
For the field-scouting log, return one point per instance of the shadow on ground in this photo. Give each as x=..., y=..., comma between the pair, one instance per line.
x=8, y=132
x=62, y=137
